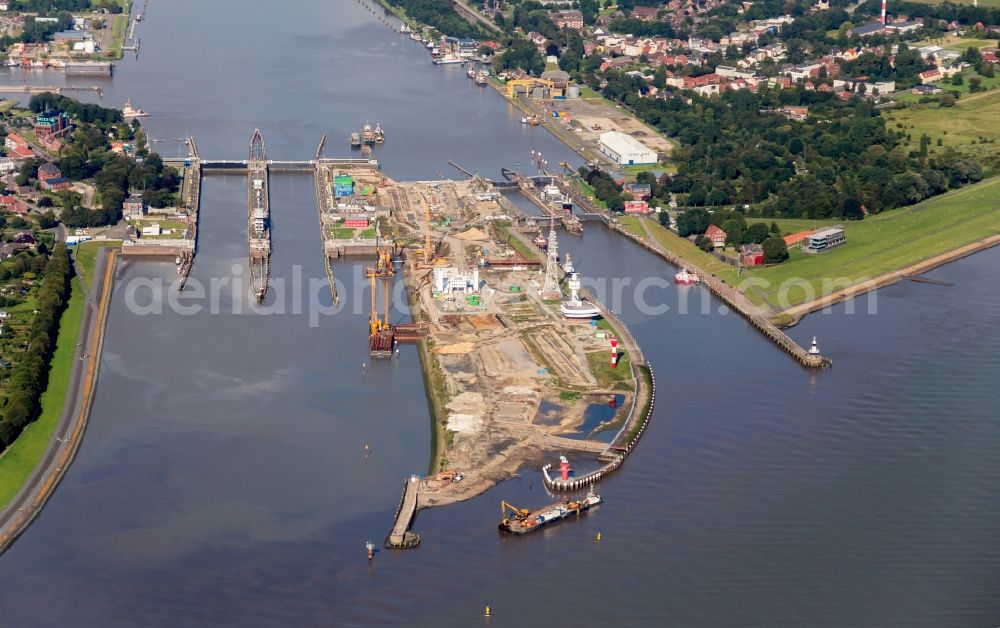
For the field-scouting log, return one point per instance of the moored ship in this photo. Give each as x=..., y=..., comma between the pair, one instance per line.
x=355, y=139
x=368, y=134
x=379, y=134
x=686, y=277
x=573, y=306
x=130, y=114
x=258, y=218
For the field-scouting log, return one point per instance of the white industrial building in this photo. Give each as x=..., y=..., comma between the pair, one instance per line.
x=625, y=149
x=449, y=280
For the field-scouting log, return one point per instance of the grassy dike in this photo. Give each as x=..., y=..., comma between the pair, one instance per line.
x=22, y=457
x=433, y=384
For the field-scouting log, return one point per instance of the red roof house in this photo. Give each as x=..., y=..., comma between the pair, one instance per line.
x=716, y=235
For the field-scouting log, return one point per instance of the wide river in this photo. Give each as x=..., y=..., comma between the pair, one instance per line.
x=222, y=481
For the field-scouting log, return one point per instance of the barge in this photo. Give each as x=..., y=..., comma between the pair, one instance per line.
x=523, y=521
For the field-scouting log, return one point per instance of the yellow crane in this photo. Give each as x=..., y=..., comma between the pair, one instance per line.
x=517, y=514
x=428, y=251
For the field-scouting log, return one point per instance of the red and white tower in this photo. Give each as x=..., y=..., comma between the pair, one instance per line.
x=883, y=14
x=564, y=468
x=614, y=353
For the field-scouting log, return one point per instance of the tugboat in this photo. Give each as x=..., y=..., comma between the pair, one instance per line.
x=482, y=78
x=379, y=134
x=367, y=134
x=686, y=277
x=355, y=139
x=541, y=241
x=130, y=114
x=522, y=521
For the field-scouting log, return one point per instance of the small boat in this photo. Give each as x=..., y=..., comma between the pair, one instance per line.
x=379, y=134
x=414, y=36
x=522, y=521
x=470, y=72
x=370, y=548
x=368, y=134
x=524, y=120
x=355, y=139
x=130, y=114
x=404, y=29
x=482, y=78
x=430, y=45
x=448, y=59
x=686, y=277
x=568, y=265
x=177, y=260
x=541, y=241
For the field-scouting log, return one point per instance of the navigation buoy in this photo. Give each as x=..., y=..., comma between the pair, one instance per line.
x=487, y=611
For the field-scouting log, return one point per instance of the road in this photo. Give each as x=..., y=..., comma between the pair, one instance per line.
x=464, y=9
x=18, y=513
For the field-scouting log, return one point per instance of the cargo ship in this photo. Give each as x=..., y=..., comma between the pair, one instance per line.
x=258, y=218
x=522, y=521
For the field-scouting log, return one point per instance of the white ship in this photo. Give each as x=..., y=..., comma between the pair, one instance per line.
x=575, y=307
x=686, y=277
x=130, y=114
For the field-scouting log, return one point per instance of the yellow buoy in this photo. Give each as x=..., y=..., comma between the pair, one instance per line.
x=598, y=536
x=487, y=611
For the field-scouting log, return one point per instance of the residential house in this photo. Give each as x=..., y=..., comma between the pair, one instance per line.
x=646, y=14
x=48, y=171
x=13, y=140
x=58, y=183
x=716, y=235
x=752, y=255
x=568, y=18
x=14, y=204
x=134, y=207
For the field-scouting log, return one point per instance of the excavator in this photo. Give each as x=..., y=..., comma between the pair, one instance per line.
x=517, y=514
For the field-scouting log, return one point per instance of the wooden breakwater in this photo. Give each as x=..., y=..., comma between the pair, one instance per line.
x=732, y=298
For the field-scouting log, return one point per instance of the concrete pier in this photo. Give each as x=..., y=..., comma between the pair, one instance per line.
x=401, y=537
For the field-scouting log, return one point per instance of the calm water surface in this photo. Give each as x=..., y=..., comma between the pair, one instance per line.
x=222, y=479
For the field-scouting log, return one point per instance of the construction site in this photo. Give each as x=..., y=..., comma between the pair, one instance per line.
x=512, y=382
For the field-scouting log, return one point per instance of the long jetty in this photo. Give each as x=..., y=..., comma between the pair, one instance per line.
x=401, y=537
x=726, y=293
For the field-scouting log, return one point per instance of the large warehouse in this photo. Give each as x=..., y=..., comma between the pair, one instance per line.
x=625, y=149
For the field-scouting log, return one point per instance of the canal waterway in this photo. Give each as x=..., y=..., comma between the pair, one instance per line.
x=222, y=478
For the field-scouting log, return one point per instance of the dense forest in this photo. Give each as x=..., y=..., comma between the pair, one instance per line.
x=44, y=7
x=736, y=149
x=30, y=377
x=440, y=15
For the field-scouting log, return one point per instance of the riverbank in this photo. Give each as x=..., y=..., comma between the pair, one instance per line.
x=63, y=441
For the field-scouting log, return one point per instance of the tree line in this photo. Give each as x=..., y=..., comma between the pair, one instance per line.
x=29, y=377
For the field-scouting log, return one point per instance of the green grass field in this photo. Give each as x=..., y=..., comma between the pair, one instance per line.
x=21, y=458
x=86, y=257
x=983, y=4
x=888, y=242
x=961, y=127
